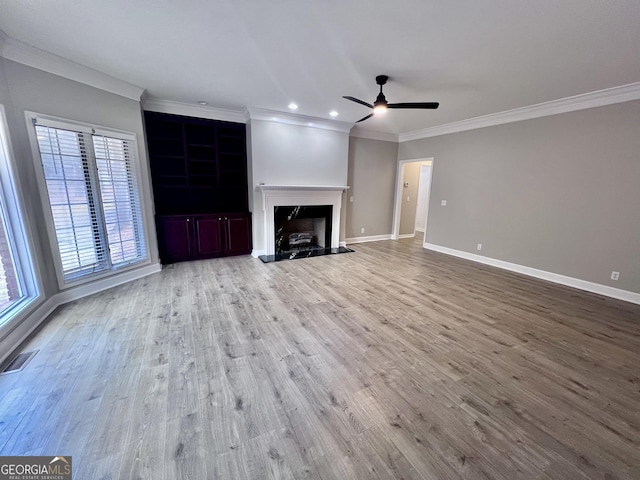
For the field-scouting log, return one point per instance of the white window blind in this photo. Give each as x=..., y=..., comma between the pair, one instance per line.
x=94, y=199
x=120, y=200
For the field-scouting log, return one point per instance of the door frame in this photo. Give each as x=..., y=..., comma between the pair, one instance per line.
x=397, y=208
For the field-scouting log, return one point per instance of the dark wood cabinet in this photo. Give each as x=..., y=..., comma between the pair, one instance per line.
x=193, y=237
x=237, y=231
x=174, y=238
x=208, y=236
x=198, y=170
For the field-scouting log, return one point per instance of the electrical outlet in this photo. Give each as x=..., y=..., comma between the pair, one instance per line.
x=362, y=230
x=408, y=198
x=351, y=198
x=615, y=275
x=479, y=246
x=443, y=203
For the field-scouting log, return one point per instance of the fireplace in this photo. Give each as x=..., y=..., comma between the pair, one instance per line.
x=301, y=228
x=300, y=218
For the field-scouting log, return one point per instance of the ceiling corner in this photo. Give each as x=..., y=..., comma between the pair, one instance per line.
x=276, y=116
x=23, y=53
x=190, y=110
x=373, y=135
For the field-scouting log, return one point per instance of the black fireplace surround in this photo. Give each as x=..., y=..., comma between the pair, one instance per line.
x=299, y=228
x=302, y=231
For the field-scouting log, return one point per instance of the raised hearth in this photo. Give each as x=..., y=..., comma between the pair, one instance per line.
x=318, y=252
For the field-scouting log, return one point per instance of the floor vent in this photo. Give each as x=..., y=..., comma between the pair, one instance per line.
x=19, y=362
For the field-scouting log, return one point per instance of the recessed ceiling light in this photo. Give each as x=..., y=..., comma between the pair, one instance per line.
x=333, y=113
x=293, y=106
x=202, y=102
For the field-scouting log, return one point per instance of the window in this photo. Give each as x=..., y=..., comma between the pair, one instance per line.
x=17, y=278
x=93, y=197
x=10, y=288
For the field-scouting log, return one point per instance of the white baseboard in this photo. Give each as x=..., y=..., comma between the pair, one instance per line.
x=370, y=238
x=421, y=230
x=407, y=235
x=106, y=283
x=598, y=288
x=33, y=320
x=26, y=327
x=342, y=244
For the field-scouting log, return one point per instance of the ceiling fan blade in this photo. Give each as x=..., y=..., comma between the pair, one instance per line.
x=359, y=101
x=364, y=118
x=431, y=105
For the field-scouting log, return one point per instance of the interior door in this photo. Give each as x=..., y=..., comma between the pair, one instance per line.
x=423, y=197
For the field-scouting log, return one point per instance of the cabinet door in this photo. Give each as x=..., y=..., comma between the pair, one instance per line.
x=208, y=236
x=238, y=234
x=174, y=238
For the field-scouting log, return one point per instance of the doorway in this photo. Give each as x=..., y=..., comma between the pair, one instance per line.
x=413, y=190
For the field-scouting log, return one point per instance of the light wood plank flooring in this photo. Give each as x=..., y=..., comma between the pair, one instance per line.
x=391, y=362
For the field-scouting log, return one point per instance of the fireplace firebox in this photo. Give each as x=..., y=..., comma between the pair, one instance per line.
x=302, y=228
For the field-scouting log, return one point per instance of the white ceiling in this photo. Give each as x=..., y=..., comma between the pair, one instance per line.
x=475, y=57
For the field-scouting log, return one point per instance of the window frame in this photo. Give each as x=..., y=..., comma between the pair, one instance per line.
x=18, y=232
x=93, y=130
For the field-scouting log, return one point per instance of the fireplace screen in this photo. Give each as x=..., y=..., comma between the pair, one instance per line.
x=302, y=228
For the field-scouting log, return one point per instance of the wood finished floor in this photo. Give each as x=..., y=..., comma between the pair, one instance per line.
x=391, y=362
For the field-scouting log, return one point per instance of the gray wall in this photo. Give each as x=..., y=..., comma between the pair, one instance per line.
x=559, y=193
x=283, y=154
x=372, y=177
x=37, y=91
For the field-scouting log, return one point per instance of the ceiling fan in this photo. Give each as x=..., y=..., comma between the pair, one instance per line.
x=381, y=105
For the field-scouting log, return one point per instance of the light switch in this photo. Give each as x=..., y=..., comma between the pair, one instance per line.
x=443, y=203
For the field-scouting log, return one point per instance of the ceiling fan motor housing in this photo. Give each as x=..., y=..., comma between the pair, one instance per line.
x=380, y=100
x=382, y=79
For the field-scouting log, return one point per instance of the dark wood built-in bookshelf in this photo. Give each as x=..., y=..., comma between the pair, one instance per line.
x=199, y=176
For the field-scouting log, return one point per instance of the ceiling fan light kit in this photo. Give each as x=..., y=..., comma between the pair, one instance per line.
x=381, y=105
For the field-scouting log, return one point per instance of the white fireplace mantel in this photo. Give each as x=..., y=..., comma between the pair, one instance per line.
x=303, y=195
x=319, y=188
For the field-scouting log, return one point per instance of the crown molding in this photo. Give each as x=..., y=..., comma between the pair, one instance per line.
x=191, y=110
x=25, y=54
x=144, y=97
x=609, y=96
x=295, y=119
x=372, y=135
